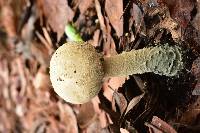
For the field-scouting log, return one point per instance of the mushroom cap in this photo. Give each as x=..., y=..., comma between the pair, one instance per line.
x=76, y=72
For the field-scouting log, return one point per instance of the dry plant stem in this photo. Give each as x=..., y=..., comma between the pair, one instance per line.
x=163, y=60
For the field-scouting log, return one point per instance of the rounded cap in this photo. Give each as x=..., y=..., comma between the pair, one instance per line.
x=76, y=72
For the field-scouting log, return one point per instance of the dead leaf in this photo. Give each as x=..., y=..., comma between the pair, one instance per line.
x=196, y=72
x=95, y=127
x=191, y=115
x=192, y=37
x=58, y=14
x=171, y=25
x=138, y=18
x=120, y=101
x=101, y=114
x=84, y=5
x=196, y=20
x=112, y=84
x=114, y=10
x=123, y=130
x=40, y=52
x=106, y=105
x=165, y=22
x=68, y=118
x=39, y=125
x=8, y=20
x=140, y=82
x=109, y=44
x=27, y=34
x=129, y=127
x=133, y=102
x=159, y=126
x=42, y=81
x=95, y=41
x=109, y=47
x=180, y=10
x=100, y=16
x=87, y=115
x=196, y=68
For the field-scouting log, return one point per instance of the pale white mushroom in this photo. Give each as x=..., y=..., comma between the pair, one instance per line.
x=77, y=70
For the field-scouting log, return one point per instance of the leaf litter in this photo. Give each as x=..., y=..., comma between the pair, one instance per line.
x=32, y=30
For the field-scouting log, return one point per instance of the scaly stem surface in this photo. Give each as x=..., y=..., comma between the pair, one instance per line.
x=163, y=60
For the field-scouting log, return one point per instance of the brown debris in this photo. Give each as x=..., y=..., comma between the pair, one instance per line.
x=180, y=10
x=172, y=26
x=109, y=44
x=84, y=5
x=196, y=20
x=8, y=20
x=159, y=126
x=192, y=113
x=58, y=14
x=114, y=10
x=138, y=18
x=120, y=100
x=86, y=115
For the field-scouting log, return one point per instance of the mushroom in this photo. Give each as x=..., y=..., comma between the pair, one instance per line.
x=77, y=70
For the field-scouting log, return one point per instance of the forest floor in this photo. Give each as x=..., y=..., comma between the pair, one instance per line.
x=30, y=32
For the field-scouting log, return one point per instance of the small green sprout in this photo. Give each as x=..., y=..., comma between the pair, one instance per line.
x=77, y=70
x=72, y=33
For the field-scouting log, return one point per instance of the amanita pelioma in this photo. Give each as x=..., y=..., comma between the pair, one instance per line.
x=77, y=70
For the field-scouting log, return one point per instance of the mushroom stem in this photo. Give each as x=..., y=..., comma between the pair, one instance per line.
x=163, y=60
